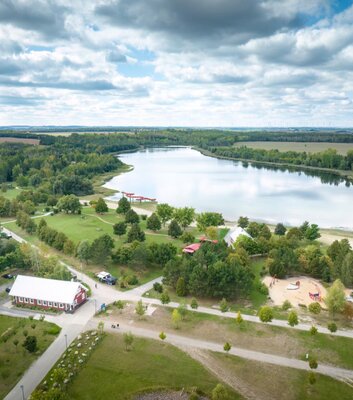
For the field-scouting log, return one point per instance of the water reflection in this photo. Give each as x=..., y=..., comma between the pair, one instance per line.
x=182, y=176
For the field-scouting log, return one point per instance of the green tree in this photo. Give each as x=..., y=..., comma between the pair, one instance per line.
x=243, y=222
x=266, y=314
x=101, y=206
x=220, y=393
x=313, y=330
x=165, y=299
x=207, y=219
x=280, y=229
x=312, y=232
x=165, y=212
x=174, y=229
x=162, y=336
x=346, y=273
x=286, y=305
x=315, y=307
x=153, y=223
x=84, y=251
x=135, y=234
x=181, y=287
x=223, y=306
x=335, y=298
x=313, y=363
x=293, y=318
x=128, y=338
x=227, y=346
x=332, y=327
x=69, y=204
x=30, y=343
x=184, y=216
x=194, y=304
x=119, y=228
x=239, y=318
x=176, y=319
x=101, y=249
x=140, y=309
x=131, y=217
x=123, y=206
x=182, y=308
x=120, y=305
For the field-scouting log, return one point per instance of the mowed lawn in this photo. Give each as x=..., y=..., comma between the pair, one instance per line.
x=309, y=147
x=112, y=372
x=14, y=361
x=90, y=225
x=277, y=383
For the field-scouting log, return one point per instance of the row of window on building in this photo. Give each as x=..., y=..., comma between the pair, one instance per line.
x=40, y=302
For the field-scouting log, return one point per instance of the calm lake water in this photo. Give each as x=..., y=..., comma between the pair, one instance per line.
x=185, y=177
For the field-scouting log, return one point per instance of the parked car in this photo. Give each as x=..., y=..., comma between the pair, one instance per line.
x=4, y=235
x=349, y=298
x=105, y=277
x=8, y=276
x=7, y=290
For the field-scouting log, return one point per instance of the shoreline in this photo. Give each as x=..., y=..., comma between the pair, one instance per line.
x=299, y=168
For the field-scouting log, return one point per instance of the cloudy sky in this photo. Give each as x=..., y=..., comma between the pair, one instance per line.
x=176, y=62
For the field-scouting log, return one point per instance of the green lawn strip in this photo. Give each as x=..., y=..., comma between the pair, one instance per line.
x=11, y=193
x=277, y=383
x=15, y=361
x=150, y=365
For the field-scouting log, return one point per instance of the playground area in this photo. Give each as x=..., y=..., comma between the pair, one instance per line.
x=297, y=290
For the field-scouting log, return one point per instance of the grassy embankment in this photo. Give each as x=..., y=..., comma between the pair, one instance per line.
x=288, y=342
x=268, y=381
x=151, y=365
x=15, y=360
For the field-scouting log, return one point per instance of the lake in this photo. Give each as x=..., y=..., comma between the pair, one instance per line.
x=185, y=177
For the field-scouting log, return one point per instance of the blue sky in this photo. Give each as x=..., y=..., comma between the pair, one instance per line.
x=176, y=62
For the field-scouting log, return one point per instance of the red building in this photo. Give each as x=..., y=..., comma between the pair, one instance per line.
x=44, y=293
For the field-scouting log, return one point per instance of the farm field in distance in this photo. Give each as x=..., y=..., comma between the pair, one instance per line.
x=309, y=147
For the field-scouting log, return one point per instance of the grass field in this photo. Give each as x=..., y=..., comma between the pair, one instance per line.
x=10, y=193
x=333, y=350
x=277, y=383
x=149, y=366
x=14, y=361
x=309, y=147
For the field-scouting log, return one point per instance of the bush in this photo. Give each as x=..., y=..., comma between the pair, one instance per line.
x=181, y=287
x=312, y=378
x=286, y=305
x=293, y=318
x=313, y=363
x=266, y=314
x=332, y=327
x=165, y=299
x=132, y=280
x=30, y=344
x=158, y=287
x=53, y=330
x=187, y=237
x=143, y=217
x=223, y=305
x=262, y=288
x=194, y=304
x=313, y=330
x=315, y=307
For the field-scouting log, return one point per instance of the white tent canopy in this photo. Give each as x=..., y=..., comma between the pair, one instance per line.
x=232, y=236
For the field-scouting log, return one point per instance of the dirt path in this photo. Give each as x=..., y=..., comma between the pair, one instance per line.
x=219, y=370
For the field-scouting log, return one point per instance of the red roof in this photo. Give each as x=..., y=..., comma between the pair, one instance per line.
x=192, y=248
